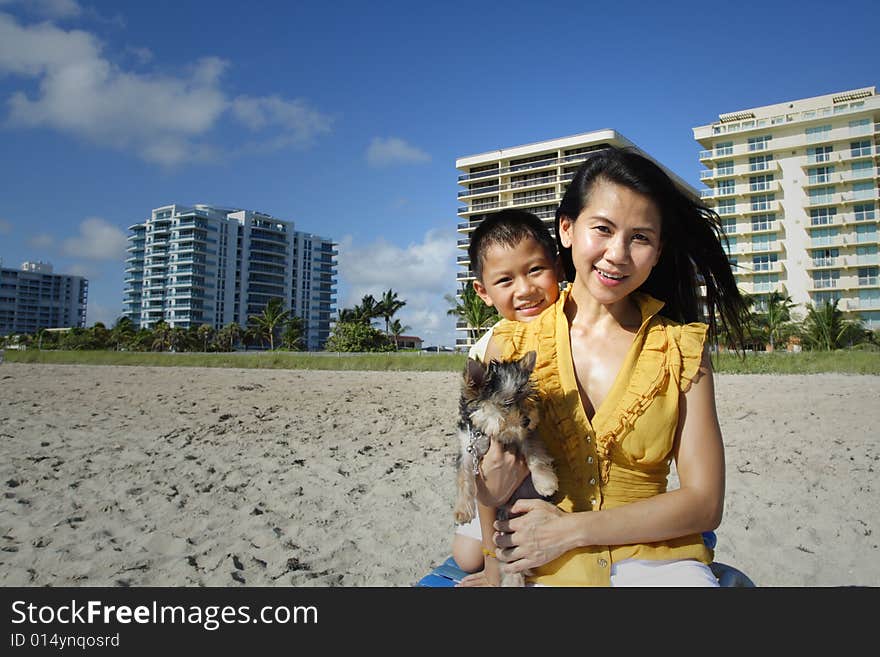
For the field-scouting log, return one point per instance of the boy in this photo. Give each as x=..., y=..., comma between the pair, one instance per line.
x=513, y=257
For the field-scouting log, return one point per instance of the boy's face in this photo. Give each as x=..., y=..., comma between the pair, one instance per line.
x=520, y=281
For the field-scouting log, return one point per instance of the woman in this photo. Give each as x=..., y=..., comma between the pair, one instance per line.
x=626, y=386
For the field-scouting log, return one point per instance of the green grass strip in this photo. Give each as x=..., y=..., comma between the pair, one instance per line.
x=843, y=361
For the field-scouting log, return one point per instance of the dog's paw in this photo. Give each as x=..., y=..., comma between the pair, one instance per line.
x=513, y=579
x=463, y=512
x=545, y=482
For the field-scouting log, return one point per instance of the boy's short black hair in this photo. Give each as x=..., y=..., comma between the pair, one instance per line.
x=509, y=228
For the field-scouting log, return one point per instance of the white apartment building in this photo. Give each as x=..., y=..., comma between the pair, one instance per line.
x=531, y=177
x=210, y=265
x=34, y=298
x=796, y=186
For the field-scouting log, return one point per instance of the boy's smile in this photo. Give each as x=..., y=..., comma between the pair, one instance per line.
x=520, y=281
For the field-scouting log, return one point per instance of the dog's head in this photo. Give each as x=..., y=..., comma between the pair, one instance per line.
x=499, y=399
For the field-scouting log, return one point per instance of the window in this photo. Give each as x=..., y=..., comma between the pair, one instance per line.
x=760, y=183
x=724, y=148
x=864, y=211
x=763, y=262
x=824, y=237
x=760, y=162
x=763, y=242
x=820, y=174
x=860, y=148
x=825, y=257
x=818, y=133
x=762, y=221
x=864, y=190
x=728, y=226
x=866, y=233
x=822, y=216
x=765, y=282
x=759, y=143
x=821, y=195
x=762, y=201
x=821, y=298
x=868, y=275
x=826, y=278
x=819, y=154
x=724, y=168
x=726, y=206
x=725, y=188
x=867, y=255
x=860, y=127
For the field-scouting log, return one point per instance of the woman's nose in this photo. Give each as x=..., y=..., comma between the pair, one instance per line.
x=617, y=251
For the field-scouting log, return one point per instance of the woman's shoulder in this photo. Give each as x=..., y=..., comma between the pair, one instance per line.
x=681, y=345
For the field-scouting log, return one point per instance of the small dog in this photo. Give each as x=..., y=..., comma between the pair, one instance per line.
x=498, y=401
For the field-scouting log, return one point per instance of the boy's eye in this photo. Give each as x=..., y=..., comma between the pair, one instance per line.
x=536, y=269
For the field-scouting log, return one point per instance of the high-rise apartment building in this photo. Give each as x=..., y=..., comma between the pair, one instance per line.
x=531, y=177
x=210, y=265
x=34, y=298
x=796, y=186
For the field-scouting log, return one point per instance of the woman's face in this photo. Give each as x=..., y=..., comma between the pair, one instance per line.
x=615, y=241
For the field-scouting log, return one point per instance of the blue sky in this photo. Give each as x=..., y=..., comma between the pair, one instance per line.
x=347, y=117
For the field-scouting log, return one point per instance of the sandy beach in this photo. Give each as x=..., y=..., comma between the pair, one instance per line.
x=148, y=476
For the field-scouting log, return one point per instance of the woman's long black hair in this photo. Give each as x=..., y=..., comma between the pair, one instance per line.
x=693, y=253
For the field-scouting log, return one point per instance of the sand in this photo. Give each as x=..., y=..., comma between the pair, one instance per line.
x=148, y=476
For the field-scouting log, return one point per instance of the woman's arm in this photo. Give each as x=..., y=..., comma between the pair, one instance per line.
x=544, y=532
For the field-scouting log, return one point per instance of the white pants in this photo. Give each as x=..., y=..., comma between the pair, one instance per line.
x=679, y=572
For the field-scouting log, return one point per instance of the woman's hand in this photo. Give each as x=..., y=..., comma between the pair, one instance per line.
x=538, y=535
x=501, y=473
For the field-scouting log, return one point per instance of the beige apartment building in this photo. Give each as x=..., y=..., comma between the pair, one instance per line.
x=796, y=187
x=531, y=177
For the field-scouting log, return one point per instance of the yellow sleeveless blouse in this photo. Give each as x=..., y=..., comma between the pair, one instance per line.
x=624, y=454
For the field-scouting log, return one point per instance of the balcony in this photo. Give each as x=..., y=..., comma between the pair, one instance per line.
x=750, y=269
x=740, y=170
x=547, y=162
x=741, y=190
x=764, y=206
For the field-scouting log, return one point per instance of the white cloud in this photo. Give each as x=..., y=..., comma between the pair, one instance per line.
x=298, y=123
x=421, y=274
x=97, y=240
x=41, y=241
x=141, y=55
x=393, y=150
x=48, y=8
x=5, y=227
x=162, y=118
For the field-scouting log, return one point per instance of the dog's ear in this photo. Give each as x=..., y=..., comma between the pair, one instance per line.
x=474, y=374
x=527, y=362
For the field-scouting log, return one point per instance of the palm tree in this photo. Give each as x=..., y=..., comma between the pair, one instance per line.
x=388, y=305
x=271, y=319
x=205, y=332
x=367, y=310
x=471, y=309
x=826, y=329
x=292, y=337
x=122, y=332
x=774, y=321
x=397, y=330
x=161, y=336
